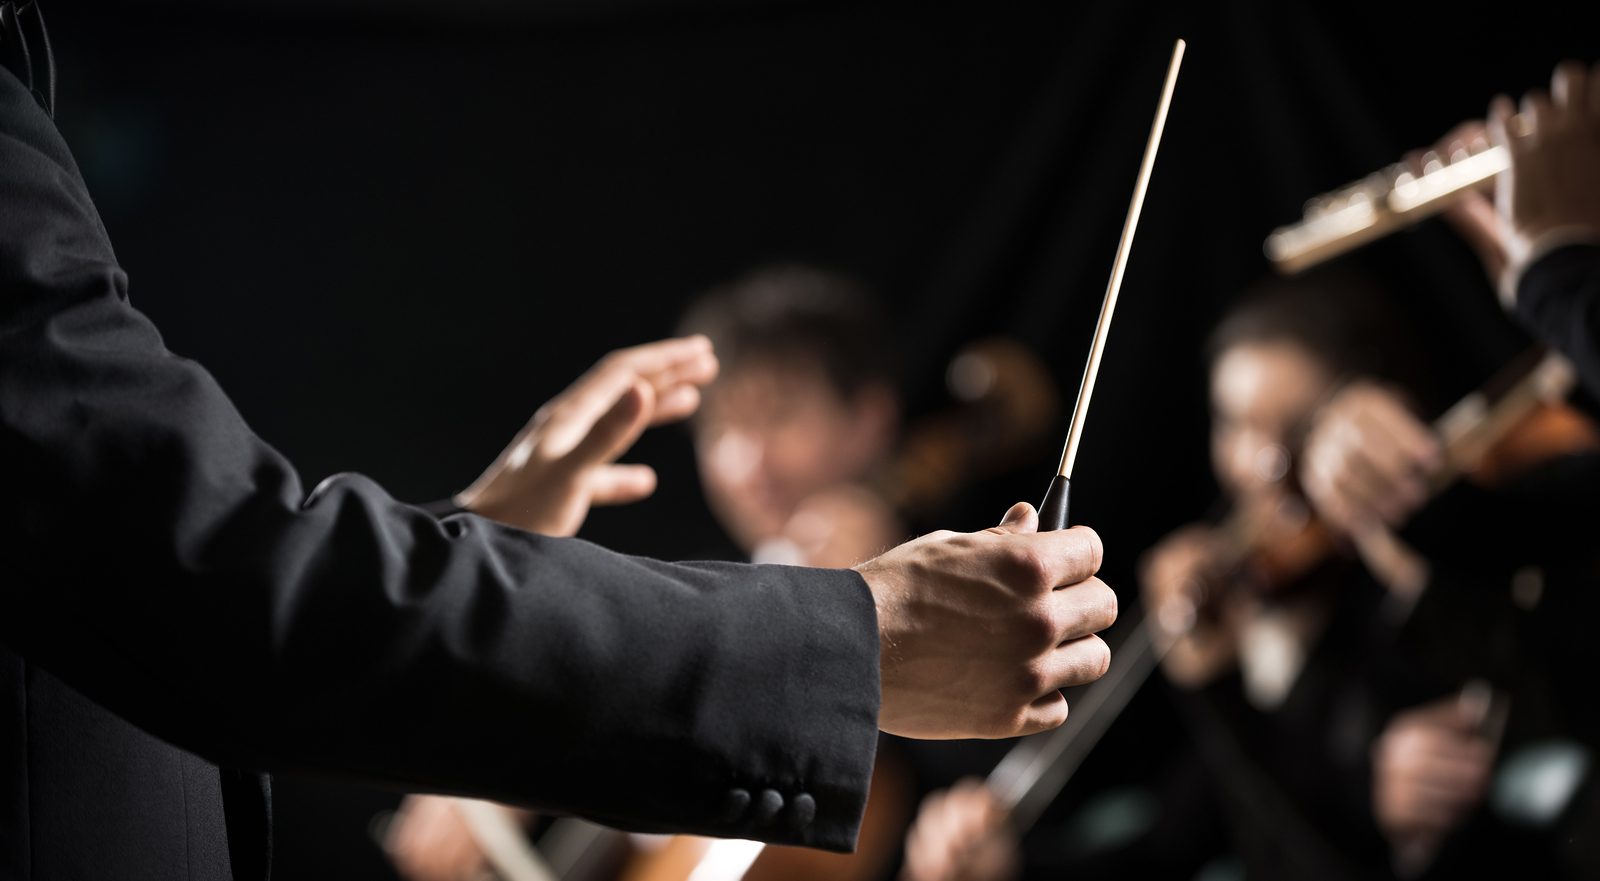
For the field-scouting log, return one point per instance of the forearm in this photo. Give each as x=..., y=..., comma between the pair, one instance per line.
x=165, y=561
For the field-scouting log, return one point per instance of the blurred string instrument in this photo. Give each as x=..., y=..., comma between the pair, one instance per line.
x=1394, y=198
x=1516, y=421
x=1005, y=402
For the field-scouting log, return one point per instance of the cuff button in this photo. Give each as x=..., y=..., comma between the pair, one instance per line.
x=802, y=810
x=767, y=806
x=735, y=805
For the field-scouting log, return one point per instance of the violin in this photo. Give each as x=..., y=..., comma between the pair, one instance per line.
x=1517, y=421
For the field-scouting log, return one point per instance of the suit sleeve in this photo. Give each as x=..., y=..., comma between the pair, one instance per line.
x=164, y=560
x=1558, y=298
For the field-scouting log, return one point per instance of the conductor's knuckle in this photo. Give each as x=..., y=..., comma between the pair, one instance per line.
x=1032, y=566
x=1034, y=679
x=1093, y=548
x=1041, y=625
x=1092, y=659
x=1103, y=655
x=1106, y=605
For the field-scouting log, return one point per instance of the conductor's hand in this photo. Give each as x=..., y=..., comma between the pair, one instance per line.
x=565, y=460
x=979, y=632
x=1368, y=459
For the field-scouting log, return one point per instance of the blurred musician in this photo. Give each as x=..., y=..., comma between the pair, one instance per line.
x=795, y=432
x=1290, y=652
x=1277, y=669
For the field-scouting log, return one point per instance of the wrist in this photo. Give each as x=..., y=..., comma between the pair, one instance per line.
x=1525, y=249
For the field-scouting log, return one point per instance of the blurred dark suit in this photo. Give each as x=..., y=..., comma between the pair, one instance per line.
x=177, y=615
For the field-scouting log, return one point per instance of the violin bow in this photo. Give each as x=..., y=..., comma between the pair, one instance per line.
x=1053, y=512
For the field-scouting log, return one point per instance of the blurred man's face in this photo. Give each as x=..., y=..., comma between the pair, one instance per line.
x=1260, y=392
x=771, y=434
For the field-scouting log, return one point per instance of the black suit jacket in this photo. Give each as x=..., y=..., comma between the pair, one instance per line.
x=172, y=600
x=1558, y=297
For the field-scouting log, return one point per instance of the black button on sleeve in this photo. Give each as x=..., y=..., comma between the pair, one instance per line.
x=735, y=804
x=767, y=806
x=802, y=810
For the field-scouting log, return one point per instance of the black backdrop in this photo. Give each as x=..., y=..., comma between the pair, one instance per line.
x=393, y=229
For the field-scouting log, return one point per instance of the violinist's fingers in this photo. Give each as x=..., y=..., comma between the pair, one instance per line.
x=1430, y=817
x=1401, y=455
x=1384, y=443
x=1415, y=439
x=1349, y=484
x=929, y=851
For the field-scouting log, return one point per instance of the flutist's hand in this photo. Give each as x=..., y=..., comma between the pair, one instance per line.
x=980, y=631
x=1551, y=193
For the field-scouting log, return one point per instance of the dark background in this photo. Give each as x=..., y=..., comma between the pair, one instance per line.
x=393, y=229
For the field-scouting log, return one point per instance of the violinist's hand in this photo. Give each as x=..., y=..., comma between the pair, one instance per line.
x=564, y=461
x=961, y=835
x=428, y=840
x=1430, y=770
x=979, y=632
x=1551, y=193
x=1176, y=576
x=1367, y=459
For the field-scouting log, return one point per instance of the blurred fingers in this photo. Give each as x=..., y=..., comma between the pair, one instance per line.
x=675, y=404
x=1501, y=110
x=617, y=428
x=1569, y=88
x=621, y=484
x=1536, y=116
